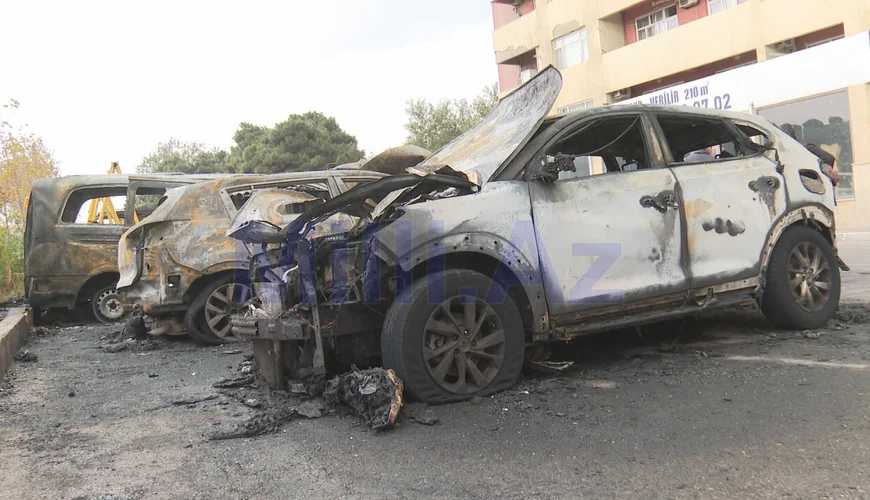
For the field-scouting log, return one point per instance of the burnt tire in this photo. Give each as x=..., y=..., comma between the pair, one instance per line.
x=212, y=327
x=416, y=327
x=802, y=284
x=107, y=305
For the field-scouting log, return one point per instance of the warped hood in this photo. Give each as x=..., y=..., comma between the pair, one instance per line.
x=480, y=152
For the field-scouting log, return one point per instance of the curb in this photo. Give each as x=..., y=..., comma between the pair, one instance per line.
x=14, y=330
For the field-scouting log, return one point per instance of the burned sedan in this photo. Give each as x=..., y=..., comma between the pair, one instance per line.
x=527, y=230
x=178, y=263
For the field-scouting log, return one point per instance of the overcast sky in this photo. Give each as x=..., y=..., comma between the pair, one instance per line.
x=107, y=81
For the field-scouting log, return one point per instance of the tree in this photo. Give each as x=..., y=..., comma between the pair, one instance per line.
x=310, y=141
x=190, y=157
x=23, y=159
x=431, y=126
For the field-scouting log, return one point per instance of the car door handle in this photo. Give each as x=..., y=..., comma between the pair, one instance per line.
x=661, y=202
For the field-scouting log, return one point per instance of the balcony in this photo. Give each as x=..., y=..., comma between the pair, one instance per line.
x=691, y=45
x=516, y=38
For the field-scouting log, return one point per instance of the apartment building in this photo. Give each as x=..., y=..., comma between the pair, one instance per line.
x=802, y=62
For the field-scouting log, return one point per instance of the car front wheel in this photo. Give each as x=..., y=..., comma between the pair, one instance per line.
x=453, y=335
x=802, y=286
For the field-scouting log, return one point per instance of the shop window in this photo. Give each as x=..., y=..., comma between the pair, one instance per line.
x=824, y=121
x=693, y=139
x=103, y=205
x=657, y=22
x=715, y=6
x=571, y=49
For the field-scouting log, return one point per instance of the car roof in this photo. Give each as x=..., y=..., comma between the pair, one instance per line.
x=661, y=109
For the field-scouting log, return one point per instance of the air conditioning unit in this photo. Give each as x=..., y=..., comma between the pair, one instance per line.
x=685, y=4
x=785, y=47
x=620, y=95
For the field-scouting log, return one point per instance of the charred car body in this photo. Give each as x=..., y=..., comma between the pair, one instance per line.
x=525, y=230
x=180, y=261
x=71, y=254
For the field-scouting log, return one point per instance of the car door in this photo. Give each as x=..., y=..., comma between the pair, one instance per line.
x=88, y=229
x=612, y=238
x=731, y=197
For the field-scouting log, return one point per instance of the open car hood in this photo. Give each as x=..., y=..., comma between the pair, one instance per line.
x=482, y=151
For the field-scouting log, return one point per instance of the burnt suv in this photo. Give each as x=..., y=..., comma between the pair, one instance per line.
x=71, y=237
x=527, y=230
x=178, y=262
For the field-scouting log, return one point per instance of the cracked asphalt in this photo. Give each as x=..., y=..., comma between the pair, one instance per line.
x=732, y=409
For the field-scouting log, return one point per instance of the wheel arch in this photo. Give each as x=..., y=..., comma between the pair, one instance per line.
x=817, y=217
x=214, y=273
x=95, y=283
x=493, y=257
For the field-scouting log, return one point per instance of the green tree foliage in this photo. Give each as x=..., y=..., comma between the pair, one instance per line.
x=433, y=125
x=178, y=156
x=23, y=159
x=310, y=141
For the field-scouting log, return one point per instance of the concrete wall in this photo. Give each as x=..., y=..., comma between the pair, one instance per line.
x=14, y=330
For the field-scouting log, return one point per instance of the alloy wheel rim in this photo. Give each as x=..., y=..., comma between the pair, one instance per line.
x=223, y=302
x=463, y=344
x=809, y=277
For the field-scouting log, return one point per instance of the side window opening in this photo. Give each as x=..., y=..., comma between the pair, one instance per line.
x=147, y=199
x=754, y=135
x=694, y=140
x=603, y=146
x=103, y=205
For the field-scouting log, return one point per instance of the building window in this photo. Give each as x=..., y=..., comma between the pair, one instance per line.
x=576, y=107
x=825, y=121
x=822, y=42
x=571, y=49
x=719, y=5
x=527, y=74
x=657, y=22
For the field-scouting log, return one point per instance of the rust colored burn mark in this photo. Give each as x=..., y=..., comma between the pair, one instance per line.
x=722, y=226
x=696, y=208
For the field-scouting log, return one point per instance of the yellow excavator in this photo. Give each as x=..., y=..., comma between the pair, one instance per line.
x=102, y=211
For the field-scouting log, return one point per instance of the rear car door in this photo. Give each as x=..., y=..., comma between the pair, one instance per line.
x=88, y=229
x=611, y=238
x=731, y=192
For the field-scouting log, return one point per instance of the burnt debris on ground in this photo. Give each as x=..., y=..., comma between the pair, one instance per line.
x=374, y=394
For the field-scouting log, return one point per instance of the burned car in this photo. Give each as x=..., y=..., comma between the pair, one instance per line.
x=179, y=261
x=527, y=230
x=71, y=237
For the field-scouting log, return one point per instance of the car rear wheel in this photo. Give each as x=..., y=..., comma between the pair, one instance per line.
x=802, y=286
x=209, y=318
x=467, y=342
x=107, y=305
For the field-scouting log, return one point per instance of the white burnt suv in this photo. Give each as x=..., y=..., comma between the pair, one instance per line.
x=527, y=230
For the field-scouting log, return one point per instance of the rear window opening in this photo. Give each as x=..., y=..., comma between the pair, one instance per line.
x=103, y=205
x=317, y=189
x=694, y=140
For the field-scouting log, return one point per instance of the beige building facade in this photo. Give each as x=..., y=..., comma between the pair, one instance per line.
x=801, y=62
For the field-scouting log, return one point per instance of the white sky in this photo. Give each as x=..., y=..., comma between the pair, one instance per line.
x=107, y=81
